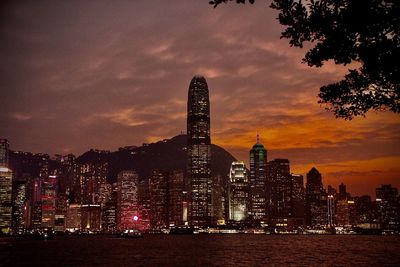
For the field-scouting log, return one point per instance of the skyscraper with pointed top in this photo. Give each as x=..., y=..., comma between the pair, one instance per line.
x=258, y=181
x=199, y=152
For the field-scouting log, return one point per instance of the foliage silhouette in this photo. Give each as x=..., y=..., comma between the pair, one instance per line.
x=364, y=32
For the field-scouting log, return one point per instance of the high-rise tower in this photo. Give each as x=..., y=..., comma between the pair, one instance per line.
x=258, y=181
x=199, y=152
x=316, y=200
x=238, y=192
x=6, y=177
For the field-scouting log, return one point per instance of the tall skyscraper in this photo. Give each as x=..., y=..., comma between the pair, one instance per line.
x=298, y=199
x=5, y=198
x=36, y=204
x=342, y=191
x=4, y=152
x=199, y=152
x=49, y=187
x=238, y=192
x=159, y=199
x=176, y=197
x=316, y=200
x=279, y=198
x=19, y=207
x=258, y=181
x=127, y=199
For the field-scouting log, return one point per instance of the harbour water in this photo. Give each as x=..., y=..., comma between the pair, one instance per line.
x=203, y=250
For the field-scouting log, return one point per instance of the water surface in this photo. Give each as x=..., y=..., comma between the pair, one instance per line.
x=203, y=250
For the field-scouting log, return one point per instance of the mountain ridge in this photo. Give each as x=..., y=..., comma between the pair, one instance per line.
x=168, y=154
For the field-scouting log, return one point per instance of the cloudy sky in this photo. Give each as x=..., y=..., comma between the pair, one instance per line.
x=76, y=75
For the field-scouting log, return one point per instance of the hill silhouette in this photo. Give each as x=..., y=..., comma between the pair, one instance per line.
x=168, y=154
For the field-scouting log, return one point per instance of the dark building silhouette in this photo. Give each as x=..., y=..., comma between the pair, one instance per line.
x=316, y=199
x=297, y=197
x=199, y=152
x=279, y=189
x=342, y=191
x=364, y=209
x=258, y=181
x=285, y=195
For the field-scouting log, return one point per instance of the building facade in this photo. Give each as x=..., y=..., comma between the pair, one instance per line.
x=199, y=152
x=258, y=181
x=279, y=197
x=127, y=199
x=238, y=192
x=316, y=200
x=6, y=177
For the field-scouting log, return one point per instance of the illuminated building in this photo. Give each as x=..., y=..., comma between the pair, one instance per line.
x=43, y=163
x=279, y=180
x=331, y=210
x=36, y=203
x=159, y=202
x=175, y=197
x=61, y=211
x=108, y=202
x=37, y=215
x=144, y=203
x=109, y=215
x=91, y=176
x=68, y=178
x=91, y=217
x=73, y=217
x=316, y=200
x=166, y=198
x=19, y=207
x=49, y=185
x=127, y=199
x=345, y=212
x=6, y=177
x=388, y=205
x=199, y=152
x=4, y=152
x=238, y=192
x=258, y=181
x=219, y=198
x=105, y=192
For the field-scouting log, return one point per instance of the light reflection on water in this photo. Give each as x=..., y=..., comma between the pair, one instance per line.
x=203, y=250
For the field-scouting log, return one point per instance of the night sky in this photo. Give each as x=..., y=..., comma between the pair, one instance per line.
x=76, y=75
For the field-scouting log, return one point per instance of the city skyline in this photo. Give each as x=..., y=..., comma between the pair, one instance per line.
x=38, y=193
x=131, y=90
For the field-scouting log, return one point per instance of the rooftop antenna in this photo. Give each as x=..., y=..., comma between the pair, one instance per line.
x=258, y=138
